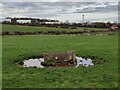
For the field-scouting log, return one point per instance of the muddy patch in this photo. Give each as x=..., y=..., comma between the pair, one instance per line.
x=83, y=61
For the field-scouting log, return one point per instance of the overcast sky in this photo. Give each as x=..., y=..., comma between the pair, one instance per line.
x=72, y=11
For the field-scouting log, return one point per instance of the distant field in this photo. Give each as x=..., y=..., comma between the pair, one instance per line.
x=14, y=28
x=102, y=75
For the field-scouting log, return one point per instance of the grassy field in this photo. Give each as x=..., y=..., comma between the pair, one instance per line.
x=13, y=28
x=102, y=75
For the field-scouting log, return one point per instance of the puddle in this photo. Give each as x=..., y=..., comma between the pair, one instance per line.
x=33, y=63
x=84, y=62
x=39, y=63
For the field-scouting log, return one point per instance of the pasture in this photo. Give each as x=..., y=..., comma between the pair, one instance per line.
x=101, y=48
x=15, y=28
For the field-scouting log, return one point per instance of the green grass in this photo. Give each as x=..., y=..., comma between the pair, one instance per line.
x=104, y=75
x=13, y=28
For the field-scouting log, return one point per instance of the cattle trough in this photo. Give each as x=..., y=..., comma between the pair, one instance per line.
x=59, y=58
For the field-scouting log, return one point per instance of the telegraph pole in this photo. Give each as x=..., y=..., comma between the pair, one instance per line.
x=83, y=20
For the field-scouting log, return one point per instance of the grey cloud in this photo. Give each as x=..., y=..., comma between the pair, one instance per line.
x=18, y=4
x=107, y=8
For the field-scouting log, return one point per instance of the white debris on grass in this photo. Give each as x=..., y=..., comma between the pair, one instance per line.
x=34, y=63
x=83, y=62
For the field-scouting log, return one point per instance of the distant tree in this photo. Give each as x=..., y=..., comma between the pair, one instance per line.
x=67, y=22
x=108, y=24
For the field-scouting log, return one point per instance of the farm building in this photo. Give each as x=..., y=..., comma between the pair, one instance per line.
x=32, y=21
x=113, y=27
